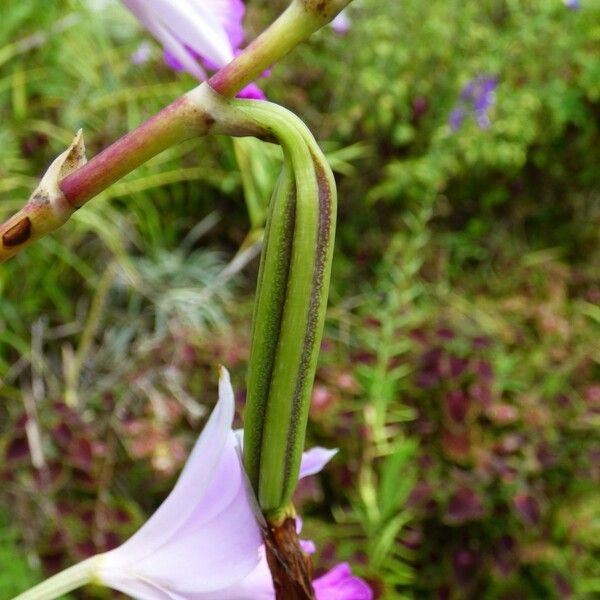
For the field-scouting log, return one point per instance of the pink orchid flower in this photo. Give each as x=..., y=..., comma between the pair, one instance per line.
x=196, y=34
x=204, y=542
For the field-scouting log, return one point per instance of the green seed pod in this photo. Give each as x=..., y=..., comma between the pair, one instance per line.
x=290, y=307
x=293, y=286
x=268, y=312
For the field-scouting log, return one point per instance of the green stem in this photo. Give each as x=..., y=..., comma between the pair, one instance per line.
x=63, y=582
x=182, y=119
x=293, y=26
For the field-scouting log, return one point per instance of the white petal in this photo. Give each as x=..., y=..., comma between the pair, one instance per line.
x=205, y=535
x=194, y=24
x=239, y=434
x=258, y=585
x=172, y=44
x=214, y=555
x=140, y=589
x=230, y=14
x=218, y=546
x=151, y=20
x=314, y=460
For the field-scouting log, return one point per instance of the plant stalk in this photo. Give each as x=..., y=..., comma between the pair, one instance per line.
x=182, y=119
x=297, y=23
x=64, y=582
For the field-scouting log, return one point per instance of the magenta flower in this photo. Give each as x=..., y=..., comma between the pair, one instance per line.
x=196, y=34
x=340, y=584
x=204, y=542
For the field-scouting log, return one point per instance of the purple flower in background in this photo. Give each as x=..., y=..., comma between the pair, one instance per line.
x=478, y=96
x=528, y=508
x=196, y=34
x=465, y=563
x=457, y=116
x=142, y=54
x=342, y=23
x=484, y=97
x=464, y=506
x=572, y=4
x=204, y=542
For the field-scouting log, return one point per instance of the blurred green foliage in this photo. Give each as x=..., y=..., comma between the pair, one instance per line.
x=15, y=573
x=460, y=372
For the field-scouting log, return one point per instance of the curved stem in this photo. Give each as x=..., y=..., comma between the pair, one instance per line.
x=194, y=114
x=291, y=28
x=297, y=23
x=63, y=582
x=174, y=124
x=182, y=119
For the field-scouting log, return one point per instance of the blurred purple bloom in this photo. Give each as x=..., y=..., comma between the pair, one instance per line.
x=504, y=553
x=142, y=54
x=478, y=96
x=456, y=365
x=464, y=506
x=457, y=405
x=465, y=565
x=528, y=508
x=457, y=116
x=196, y=34
x=204, y=542
x=572, y=4
x=342, y=23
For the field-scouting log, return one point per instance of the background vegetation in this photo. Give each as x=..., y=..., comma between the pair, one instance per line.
x=460, y=371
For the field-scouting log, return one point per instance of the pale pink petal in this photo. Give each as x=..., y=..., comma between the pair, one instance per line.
x=197, y=27
x=194, y=479
x=258, y=585
x=230, y=14
x=219, y=545
x=151, y=21
x=340, y=584
x=308, y=546
x=179, y=52
x=185, y=24
x=205, y=536
x=314, y=460
x=196, y=34
x=342, y=23
x=142, y=590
